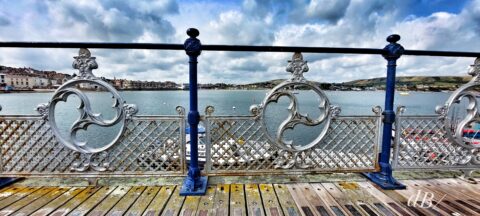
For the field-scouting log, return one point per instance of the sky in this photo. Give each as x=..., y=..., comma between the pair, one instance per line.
x=452, y=25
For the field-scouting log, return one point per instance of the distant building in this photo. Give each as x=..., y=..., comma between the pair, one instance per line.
x=24, y=81
x=28, y=78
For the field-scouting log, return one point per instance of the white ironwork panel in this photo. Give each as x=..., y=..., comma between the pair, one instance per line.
x=421, y=143
x=149, y=145
x=238, y=145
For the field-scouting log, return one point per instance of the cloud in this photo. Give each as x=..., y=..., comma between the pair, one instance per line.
x=434, y=25
x=4, y=21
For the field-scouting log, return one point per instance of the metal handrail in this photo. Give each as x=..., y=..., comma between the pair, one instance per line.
x=233, y=48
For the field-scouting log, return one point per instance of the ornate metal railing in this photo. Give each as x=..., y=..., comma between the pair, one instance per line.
x=244, y=144
x=441, y=141
x=38, y=145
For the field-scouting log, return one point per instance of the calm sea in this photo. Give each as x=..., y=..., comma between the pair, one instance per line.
x=226, y=102
x=231, y=101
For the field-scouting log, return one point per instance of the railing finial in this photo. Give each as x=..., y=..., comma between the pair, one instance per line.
x=393, y=50
x=297, y=66
x=192, y=45
x=474, y=69
x=85, y=63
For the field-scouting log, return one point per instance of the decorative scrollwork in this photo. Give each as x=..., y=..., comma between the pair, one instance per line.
x=297, y=66
x=93, y=163
x=130, y=110
x=377, y=110
x=42, y=109
x=255, y=109
x=209, y=110
x=289, y=160
x=467, y=91
x=400, y=110
x=85, y=64
x=180, y=110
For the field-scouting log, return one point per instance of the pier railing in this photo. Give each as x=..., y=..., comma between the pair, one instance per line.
x=238, y=145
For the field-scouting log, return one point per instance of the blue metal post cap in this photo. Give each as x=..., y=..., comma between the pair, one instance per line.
x=393, y=50
x=394, y=38
x=192, y=45
x=193, y=32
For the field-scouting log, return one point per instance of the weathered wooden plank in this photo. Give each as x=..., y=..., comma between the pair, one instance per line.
x=461, y=199
x=362, y=198
x=345, y=201
x=462, y=186
x=287, y=203
x=306, y=208
x=60, y=200
x=237, y=200
x=158, y=203
x=466, y=197
x=143, y=201
x=6, y=188
x=332, y=206
x=207, y=202
x=17, y=196
x=390, y=203
x=439, y=208
x=111, y=200
x=254, y=200
x=124, y=204
x=270, y=200
x=8, y=191
x=222, y=194
x=190, y=206
x=174, y=204
x=75, y=201
x=315, y=201
x=25, y=201
x=92, y=201
x=444, y=199
x=403, y=196
x=40, y=202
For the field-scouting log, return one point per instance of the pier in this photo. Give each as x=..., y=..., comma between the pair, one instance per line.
x=370, y=151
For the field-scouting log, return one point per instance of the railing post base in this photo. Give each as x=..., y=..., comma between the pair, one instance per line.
x=8, y=181
x=194, y=186
x=385, y=178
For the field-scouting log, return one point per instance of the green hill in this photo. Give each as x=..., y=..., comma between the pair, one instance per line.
x=414, y=82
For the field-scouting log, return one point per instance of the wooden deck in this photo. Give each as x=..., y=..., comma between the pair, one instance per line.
x=450, y=197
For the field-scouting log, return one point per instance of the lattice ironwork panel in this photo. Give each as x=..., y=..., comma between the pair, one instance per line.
x=149, y=146
x=238, y=145
x=421, y=142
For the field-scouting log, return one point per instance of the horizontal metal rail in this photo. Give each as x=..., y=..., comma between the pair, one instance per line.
x=234, y=48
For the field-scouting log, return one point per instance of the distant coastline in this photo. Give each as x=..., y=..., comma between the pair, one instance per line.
x=19, y=80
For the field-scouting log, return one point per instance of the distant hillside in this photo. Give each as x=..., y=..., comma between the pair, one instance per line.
x=418, y=82
x=414, y=83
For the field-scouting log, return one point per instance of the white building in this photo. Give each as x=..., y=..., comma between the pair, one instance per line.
x=24, y=81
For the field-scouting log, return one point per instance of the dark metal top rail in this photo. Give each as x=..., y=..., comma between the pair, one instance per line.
x=236, y=48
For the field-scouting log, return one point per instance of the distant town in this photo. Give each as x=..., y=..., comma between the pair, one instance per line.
x=29, y=79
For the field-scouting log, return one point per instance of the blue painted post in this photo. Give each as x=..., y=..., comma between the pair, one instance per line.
x=7, y=181
x=194, y=183
x=384, y=178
